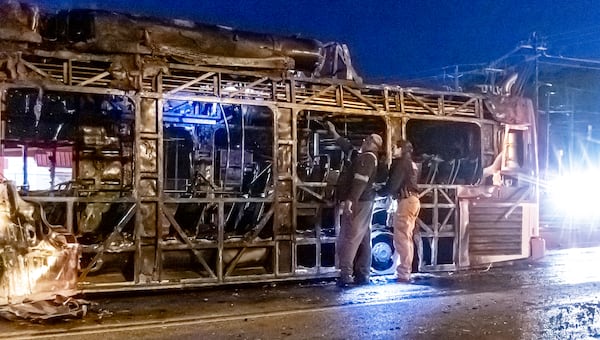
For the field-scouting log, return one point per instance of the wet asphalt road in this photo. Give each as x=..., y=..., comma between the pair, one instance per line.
x=557, y=297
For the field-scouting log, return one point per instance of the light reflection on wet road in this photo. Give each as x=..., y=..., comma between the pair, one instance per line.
x=555, y=298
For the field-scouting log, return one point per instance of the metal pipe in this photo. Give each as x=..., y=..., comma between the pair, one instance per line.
x=25, y=177
x=182, y=38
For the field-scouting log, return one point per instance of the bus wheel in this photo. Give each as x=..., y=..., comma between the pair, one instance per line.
x=384, y=258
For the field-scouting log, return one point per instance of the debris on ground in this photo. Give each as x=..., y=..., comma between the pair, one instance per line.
x=61, y=308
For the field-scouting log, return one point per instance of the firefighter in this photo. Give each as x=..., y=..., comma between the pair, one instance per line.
x=356, y=192
x=402, y=186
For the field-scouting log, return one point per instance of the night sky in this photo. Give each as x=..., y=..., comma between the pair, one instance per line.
x=394, y=40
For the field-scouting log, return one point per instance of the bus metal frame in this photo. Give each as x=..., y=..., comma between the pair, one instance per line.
x=285, y=95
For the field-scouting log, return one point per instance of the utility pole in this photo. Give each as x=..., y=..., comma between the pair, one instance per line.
x=536, y=49
x=455, y=77
x=456, y=85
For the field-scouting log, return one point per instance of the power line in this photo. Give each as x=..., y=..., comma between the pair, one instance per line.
x=430, y=72
x=574, y=34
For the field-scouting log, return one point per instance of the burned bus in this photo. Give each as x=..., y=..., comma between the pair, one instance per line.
x=169, y=154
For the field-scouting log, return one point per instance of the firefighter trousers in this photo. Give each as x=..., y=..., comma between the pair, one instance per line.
x=354, y=242
x=404, y=228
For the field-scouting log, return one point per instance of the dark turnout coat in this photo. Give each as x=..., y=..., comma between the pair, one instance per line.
x=402, y=178
x=355, y=182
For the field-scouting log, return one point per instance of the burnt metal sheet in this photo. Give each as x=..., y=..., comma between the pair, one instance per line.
x=60, y=308
x=102, y=31
x=19, y=22
x=37, y=262
x=511, y=110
